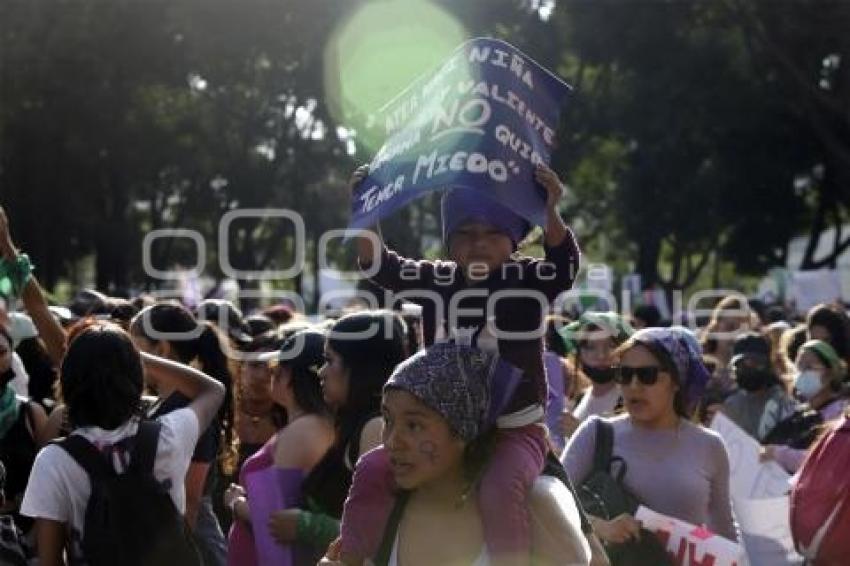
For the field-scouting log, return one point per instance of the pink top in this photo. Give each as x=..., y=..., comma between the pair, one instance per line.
x=240, y=549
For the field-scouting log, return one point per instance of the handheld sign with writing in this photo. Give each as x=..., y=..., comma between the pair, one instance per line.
x=481, y=121
x=690, y=545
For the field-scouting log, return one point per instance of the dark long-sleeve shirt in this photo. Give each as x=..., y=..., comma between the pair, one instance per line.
x=520, y=294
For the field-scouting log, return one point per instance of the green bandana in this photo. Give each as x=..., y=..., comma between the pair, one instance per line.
x=617, y=327
x=825, y=351
x=14, y=275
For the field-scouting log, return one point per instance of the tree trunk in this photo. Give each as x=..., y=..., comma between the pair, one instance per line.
x=649, y=251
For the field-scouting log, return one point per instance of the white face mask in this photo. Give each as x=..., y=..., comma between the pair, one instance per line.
x=808, y=384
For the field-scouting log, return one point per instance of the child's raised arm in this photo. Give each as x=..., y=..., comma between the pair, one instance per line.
x=365, y=245
x=556, y=229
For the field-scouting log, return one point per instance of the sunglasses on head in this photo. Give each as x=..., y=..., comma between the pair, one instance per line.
x=645, y=375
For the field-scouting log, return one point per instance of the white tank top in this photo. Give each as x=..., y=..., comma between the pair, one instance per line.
x=482, y=560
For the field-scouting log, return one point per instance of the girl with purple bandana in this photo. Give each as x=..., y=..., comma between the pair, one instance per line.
x=439, y=408
x=673, y=465
x=481, y=236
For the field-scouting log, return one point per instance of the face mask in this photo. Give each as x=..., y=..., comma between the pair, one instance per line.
x=752, y=380
x=808, y=384
x=599, y=375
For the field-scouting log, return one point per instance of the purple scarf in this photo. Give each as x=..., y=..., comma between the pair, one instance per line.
x=460, y=206
x=684, y=349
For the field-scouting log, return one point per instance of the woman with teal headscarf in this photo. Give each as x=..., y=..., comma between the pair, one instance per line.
x=592, y=339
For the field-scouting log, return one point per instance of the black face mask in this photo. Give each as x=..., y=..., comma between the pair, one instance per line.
x=753, y=379
x=599, y=375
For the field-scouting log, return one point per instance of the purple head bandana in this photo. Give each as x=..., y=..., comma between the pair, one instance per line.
x=467, y=205
x=684, y=349
x=466, y=386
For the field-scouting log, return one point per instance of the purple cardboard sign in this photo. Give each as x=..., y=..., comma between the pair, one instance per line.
x=480, y=121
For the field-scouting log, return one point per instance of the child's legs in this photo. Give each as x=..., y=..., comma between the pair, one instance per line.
x=516, y=462
x=368, y=506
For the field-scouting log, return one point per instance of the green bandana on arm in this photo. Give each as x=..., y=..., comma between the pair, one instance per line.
x=14, y=275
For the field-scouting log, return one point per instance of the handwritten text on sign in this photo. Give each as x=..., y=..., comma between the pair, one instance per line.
x=480, y=121
x=689, y=545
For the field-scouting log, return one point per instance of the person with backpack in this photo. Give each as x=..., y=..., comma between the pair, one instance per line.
x=112, y=492
x=171, y=331
x=657, y=456
x=820, y=499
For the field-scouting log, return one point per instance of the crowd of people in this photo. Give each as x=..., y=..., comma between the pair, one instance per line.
x=135, y=431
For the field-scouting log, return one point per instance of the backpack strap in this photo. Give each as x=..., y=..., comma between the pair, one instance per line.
x=604, y=446
x=143, y=456
x=87, y=456
x=382, y=558
x=554, y=468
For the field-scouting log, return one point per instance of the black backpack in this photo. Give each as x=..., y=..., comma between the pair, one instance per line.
x=130, y=518
x=603, y=495
x=799, y=431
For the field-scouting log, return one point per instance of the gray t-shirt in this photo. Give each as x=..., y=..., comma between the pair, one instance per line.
x=683, y=473
x=758, y=413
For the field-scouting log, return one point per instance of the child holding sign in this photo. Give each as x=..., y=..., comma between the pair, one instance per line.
x=482, y=236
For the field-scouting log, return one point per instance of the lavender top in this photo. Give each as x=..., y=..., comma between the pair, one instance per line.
x=792, y=458
x=683, y=473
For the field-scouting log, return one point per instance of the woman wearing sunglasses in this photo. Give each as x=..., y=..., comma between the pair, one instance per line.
x=673, y=466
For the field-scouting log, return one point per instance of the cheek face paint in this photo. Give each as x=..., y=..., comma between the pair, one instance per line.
x=428, y=449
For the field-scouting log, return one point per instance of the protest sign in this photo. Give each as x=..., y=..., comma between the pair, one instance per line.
x=690, y=545
x=749, y=477
x=810, y=288
x=766, y=531
x=480, y=121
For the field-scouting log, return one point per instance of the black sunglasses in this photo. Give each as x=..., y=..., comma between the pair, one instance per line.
x=645, y=375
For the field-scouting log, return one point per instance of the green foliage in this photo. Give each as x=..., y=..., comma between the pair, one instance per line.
x=702, y=135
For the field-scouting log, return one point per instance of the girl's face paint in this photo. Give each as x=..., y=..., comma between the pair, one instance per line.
x=421, y=445
x=428, y=450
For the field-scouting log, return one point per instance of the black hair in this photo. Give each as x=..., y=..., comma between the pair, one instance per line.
x=265, y=342
x=123, y=311
x=795, y=341
x=554, y=341
x=836, y=323
x=5, y=333
x=307, y=390
x=201, y=341
x=9, y=374
x=39, y=367
x=258, y=324
x=476, y=456
x=371, y=344
x=649, y=314
x=101, y=377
